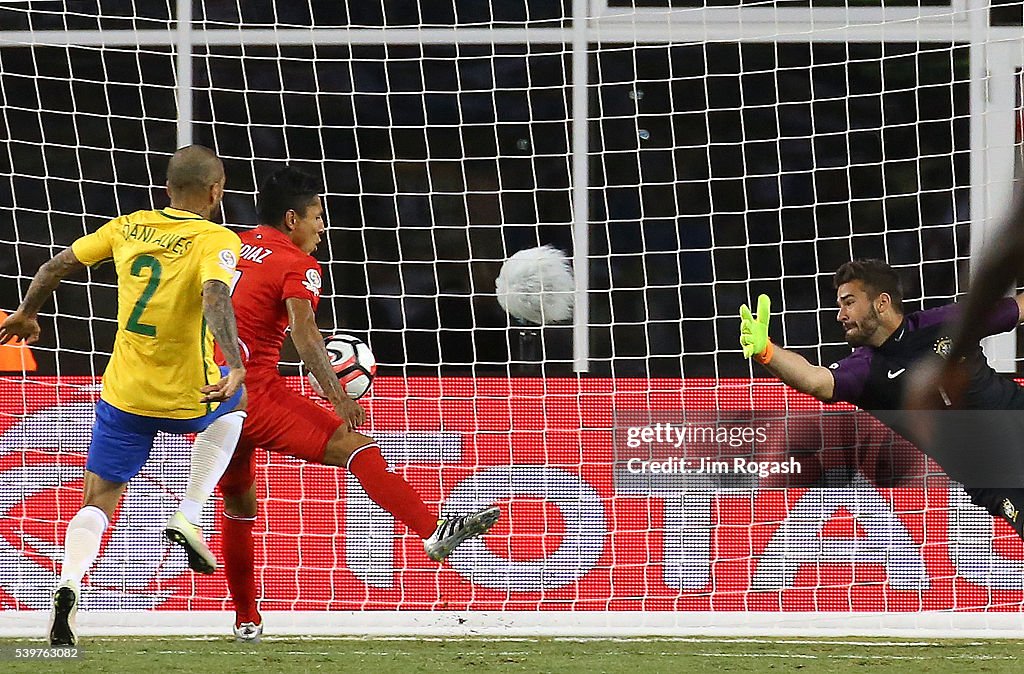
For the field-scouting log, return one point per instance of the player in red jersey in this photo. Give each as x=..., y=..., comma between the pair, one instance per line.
x=277, y=286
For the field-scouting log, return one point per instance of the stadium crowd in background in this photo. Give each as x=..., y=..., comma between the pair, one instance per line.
x=450, y=179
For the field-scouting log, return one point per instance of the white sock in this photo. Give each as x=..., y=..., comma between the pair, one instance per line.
x=82, y=543
x=211, y=454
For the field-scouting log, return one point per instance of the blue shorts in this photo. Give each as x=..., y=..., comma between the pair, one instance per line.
x=121, y=441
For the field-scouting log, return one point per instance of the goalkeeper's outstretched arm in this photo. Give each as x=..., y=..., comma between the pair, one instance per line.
x=792, y=368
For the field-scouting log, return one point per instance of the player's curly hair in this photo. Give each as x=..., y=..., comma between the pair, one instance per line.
x=876, y=275
x=286, y=189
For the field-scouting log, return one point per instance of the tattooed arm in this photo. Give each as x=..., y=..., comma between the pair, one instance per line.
x=220, y=318
x=22, y=323
x=310, y=345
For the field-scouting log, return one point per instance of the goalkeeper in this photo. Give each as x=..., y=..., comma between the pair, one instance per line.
x=890, y=345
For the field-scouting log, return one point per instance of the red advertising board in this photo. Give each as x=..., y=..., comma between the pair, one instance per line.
x=580, y=529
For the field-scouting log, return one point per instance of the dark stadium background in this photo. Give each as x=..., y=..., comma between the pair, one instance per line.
x=781, y=191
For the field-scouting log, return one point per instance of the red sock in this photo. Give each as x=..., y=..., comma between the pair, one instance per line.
x=390, y=491
x=238, y=567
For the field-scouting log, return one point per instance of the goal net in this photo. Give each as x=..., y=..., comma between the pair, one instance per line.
x=686, y=158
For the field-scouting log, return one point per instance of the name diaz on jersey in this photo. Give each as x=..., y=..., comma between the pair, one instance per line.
x=258, y=254
x=254, y=253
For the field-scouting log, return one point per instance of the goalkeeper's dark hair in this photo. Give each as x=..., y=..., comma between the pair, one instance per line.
x=286, y=189
x=876, y=275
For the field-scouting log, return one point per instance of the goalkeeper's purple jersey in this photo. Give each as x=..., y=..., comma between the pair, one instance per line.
x=873, y=378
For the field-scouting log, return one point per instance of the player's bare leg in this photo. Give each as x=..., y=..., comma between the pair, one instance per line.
x=81, y=545
x=239, y=562
x=361, y=455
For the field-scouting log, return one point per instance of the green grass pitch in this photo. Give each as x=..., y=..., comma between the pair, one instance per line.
x=650, y=655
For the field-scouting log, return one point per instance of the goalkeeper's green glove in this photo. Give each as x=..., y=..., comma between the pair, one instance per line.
x=754, y=331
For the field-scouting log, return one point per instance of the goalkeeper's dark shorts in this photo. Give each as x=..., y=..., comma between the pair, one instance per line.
x=1004, y=503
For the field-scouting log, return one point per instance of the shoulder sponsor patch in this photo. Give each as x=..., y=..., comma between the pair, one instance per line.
x=227, y=260
x=313, y=281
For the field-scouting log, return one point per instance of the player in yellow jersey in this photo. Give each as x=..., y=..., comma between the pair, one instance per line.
x=174, y=271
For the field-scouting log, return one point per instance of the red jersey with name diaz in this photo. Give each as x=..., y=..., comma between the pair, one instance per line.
x=270, y=270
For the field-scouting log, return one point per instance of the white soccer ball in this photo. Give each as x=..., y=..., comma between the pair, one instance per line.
x=536, y=285
x=352, y=361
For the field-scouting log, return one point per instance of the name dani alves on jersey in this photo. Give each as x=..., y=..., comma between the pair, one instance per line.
x=173, y=243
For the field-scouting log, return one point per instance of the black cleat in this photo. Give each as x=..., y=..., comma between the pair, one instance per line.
x=62, y=620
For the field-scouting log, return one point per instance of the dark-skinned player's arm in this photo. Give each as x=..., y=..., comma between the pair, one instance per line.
x=792, y=368
x=310, y=346
x=999, y=269
x=935, y=386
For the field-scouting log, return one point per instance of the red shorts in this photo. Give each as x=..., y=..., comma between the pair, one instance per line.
x=279, y=420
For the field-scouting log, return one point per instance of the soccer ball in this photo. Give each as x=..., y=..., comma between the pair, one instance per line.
x=536, y=286
x=352, y=361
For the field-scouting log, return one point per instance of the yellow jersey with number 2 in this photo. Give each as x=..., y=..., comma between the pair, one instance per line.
x=163, y=352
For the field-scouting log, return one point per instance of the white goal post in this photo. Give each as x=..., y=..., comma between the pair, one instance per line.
x=685, y=158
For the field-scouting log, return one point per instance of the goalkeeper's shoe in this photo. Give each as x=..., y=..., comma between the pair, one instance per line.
x=179, y=530
x=452, y=532
x=62, y=619
x=248, y=633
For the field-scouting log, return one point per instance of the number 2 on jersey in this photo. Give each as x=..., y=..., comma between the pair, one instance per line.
x=133, y=325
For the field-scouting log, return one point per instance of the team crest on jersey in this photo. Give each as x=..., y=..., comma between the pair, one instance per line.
x=834, y=366
x=313, y=281
x=1009, y=510
x=226, y=259
x=943, y=346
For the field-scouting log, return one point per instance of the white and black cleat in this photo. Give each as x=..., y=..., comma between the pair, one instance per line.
x=62, y=619
x=248, y=633
x=452, y=532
